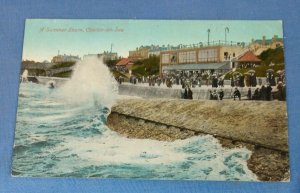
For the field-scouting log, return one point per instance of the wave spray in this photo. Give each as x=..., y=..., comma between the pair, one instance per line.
x=91, y=83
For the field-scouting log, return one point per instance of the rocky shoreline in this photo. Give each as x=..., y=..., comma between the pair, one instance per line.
x=269, y=161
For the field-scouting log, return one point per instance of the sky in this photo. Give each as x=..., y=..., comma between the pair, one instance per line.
x=45, y=37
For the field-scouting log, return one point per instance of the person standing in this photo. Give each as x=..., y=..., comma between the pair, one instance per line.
x=256, y=95
x=249, y=95
x=221, y=94
x=269, y=92
x=214, y=82
x=185, y=95
x=241, y=81
x=263, y=93
x=190, y=94
x=280, y=91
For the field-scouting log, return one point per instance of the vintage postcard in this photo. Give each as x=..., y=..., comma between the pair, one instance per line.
x=152, y=99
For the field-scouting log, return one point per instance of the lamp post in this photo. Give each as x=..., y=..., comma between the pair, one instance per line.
x=208, y=32
x=226, y=31
x=111, y=45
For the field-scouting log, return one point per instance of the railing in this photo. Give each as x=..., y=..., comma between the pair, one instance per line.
x=207, y=44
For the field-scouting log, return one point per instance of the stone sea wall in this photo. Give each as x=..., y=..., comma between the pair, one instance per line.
x=258, y=125
x=174, y=93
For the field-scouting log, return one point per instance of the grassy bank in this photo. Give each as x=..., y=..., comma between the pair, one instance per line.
x=146, y=67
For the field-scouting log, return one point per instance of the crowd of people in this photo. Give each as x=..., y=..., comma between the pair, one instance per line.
x=189, y=80
x=262, y=93
x=216, y=80
x=186, y=93
x=214, y=95
x=185, y=79
x=265, y=93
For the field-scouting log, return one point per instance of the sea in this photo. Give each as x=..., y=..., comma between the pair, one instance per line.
x=62, y=132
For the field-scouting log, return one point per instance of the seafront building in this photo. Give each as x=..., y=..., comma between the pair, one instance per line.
x=260, y=45
x=106, y=55
x=144, y=52
x=65, y=58
x=139, y=53
x=109, y=55
x=215, y=57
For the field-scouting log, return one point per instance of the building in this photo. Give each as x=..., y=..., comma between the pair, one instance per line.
x=144, y=52
x=215, y=58
x=246, y=60
x=155, y=50
x=263, y=44
x=65, y=58
x=140, y=53
x=105, y=55
x=109, y=56
x=124, y=64
x=90, y=55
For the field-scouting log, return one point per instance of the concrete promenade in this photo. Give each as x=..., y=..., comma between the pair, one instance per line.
x=260, y=126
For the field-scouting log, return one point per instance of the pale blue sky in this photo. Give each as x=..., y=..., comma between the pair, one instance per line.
x=41, y=45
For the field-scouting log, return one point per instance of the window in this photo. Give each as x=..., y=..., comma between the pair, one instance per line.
x=208, y=55
x=165, y=58
x=185, y=57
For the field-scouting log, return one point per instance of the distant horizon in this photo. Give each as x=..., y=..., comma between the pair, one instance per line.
x=44, y=38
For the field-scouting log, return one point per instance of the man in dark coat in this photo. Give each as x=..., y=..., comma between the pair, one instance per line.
x=189, y=94
x=185, y=95
x=236, y=93
x=256, y=95
x=221, y=94
x=269, y=92
x=215, y=82
x=249, y=95
x=263, y=93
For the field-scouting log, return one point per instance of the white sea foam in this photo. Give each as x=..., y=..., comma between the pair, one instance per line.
x=91, y=83
x=112, y=148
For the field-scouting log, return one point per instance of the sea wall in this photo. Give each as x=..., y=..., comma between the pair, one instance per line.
x=174, y=93
x=258, y=125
